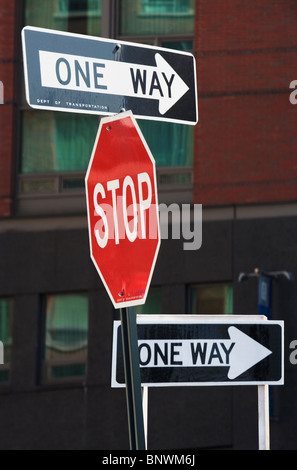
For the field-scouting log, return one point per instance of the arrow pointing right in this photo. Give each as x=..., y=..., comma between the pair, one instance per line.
x=70, y=72
x=239, y=353
x=245, y=354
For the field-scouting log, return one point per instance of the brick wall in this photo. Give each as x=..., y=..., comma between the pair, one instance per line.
x=246, y=139
x=7, y=110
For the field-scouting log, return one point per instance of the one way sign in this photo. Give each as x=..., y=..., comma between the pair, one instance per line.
x=190, y=350
x=76, y=73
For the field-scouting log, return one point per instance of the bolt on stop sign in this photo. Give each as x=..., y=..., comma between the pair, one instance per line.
x=122, y=207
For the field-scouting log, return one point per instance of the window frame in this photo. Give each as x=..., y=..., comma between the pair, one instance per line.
x=214, y=284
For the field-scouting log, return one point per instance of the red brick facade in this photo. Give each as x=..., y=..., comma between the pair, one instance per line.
x=246, y=140
x=7, y=110
x=245, y=145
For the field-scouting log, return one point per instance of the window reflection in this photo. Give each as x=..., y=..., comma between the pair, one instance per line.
x=66, y=336
x=6, y=312
x=75, y=16
x=157, y=17
x=211, y=299
x=166, y=6
x=153, y=304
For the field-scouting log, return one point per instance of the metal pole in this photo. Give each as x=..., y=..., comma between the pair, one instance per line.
x=132, y=379
x=145, y=412
x=263, y=417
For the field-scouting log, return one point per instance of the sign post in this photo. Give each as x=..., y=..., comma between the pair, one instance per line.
x=132, y=381
x=213, y=350
x=124, y=235
x=263, y=417
x=76, y=73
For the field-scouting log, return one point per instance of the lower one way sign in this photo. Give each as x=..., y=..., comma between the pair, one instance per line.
x=192, y=350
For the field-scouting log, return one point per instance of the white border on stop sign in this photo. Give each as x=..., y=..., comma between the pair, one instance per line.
x=104, y=121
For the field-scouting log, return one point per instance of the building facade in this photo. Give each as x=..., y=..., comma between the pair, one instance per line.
x=239, y=162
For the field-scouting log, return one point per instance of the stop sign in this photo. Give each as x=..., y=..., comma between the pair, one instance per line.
x=122, y=207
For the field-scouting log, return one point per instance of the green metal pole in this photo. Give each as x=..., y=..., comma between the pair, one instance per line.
x=132, y=378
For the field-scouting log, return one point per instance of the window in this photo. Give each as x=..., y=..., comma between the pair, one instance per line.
x=66, y=337
x=153, y=304
x=166, y=6
x=157, y=17
x=56, y=147
x=57, y=142
x=162, y=23
x=76, y=16
x=6, y=312
x=171, y=144
x=211, y=299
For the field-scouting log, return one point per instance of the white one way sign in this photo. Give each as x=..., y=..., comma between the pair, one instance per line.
x=76, y=73
x=70, y=72
x=230, y=353
x=188, y=351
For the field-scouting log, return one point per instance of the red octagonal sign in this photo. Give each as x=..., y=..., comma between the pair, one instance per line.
x=123, y=221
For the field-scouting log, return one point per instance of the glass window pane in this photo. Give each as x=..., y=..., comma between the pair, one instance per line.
x=73, y=183
x=211, y=299
x=153, y=304
x=185, y=46
x=57, y=141
x=76, y=16
x=6, y=312
x=171, y=144
x=155, y=17
x=66, y=336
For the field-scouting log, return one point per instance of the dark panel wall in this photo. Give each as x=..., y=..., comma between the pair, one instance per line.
x=92, y=415
x=270, y=244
